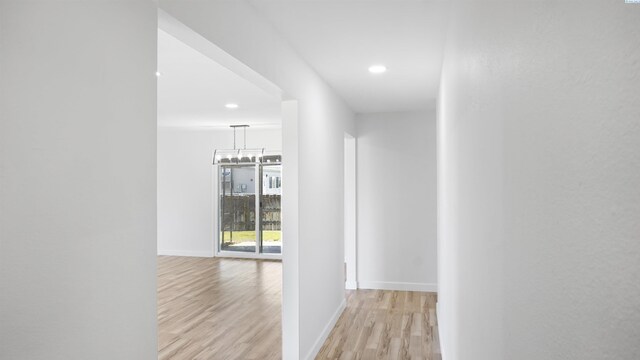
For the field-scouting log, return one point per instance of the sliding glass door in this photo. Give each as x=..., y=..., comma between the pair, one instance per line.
x=238, y=209
x=249, y=198
x=270, y=200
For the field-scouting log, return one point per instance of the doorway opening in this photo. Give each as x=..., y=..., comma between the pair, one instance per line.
x=219, y=234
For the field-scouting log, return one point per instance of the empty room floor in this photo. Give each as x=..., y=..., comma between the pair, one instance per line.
x=217, y=308
x=214, y=308
x=380, y=324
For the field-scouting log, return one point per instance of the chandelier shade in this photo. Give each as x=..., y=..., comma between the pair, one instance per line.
x=243, y=156
x=237, y=156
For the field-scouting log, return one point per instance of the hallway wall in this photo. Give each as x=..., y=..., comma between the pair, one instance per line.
x=396, y=179
x=539, y=166
x=78, y=180
x=187, y=216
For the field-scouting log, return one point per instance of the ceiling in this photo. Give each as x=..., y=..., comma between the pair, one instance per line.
x=340, y=39
x=193, y=91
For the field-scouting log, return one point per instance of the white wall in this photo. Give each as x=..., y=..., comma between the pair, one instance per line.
x=396, y=157
x=313, y=259
x=539, y=166
x=187, y=216
x=77, y=180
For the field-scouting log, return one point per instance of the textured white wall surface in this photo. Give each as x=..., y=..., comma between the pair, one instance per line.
x=313, y=157
x=539, y=182
x=78, y=180
x=187, y=213
x=396, y=178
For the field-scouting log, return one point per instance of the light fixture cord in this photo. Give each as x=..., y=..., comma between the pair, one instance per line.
x=234, y=138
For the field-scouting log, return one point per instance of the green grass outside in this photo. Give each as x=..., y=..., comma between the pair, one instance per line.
x=239, y=236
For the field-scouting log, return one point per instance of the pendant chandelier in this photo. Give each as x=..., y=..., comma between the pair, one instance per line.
x=244, y=155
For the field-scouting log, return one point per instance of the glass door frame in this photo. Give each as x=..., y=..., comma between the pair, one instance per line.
x=257, y=254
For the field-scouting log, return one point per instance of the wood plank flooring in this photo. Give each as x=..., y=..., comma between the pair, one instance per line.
x=379, y=324
x=212, y=308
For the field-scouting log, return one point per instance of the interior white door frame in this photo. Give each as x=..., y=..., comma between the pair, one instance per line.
x=350, y=212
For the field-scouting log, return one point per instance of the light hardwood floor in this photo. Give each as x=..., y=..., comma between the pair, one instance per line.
x=212, y=308
x=379, y=324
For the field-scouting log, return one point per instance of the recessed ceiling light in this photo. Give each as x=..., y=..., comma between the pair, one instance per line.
x=231, y=106
x=158, y=73
x=377, y=69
